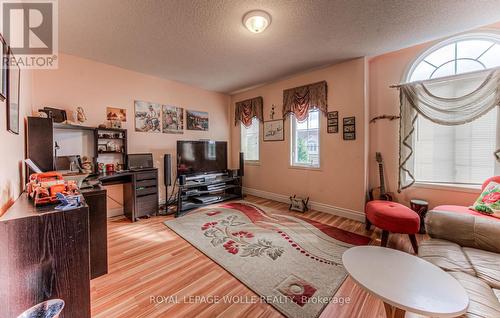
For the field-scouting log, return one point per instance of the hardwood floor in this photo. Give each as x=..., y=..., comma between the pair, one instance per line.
x=153, y=272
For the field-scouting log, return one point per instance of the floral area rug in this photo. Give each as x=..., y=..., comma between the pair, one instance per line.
x=292, y=263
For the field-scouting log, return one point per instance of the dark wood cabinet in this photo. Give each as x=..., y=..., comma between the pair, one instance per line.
x=40, y=143
x=44, y=255
x=140, y=191
x=96, y=201
x=146, y=193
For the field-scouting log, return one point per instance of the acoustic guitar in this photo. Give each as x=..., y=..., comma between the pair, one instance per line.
x=380, y=193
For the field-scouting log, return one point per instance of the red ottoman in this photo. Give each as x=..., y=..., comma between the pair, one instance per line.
x=393, y=217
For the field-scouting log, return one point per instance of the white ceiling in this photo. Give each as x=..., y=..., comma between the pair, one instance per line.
x=204, y=43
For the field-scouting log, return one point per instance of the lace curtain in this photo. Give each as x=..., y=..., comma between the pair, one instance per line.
x=454, y=100
x=300, y=100
x=246, y=110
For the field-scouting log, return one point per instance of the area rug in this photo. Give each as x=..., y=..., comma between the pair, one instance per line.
x=293, y=263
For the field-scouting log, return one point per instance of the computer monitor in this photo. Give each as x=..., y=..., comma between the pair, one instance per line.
x=140, y=161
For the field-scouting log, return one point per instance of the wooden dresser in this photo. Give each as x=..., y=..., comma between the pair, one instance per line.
x=44, y=255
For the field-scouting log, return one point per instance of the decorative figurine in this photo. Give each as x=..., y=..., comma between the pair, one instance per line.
x=80, y=114
x=86, y=164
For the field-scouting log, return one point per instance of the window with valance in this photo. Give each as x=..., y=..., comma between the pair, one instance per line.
x=449, y=113
x=299, y=101
x=248, y=109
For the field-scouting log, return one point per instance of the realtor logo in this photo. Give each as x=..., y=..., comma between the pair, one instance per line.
x=30, y=29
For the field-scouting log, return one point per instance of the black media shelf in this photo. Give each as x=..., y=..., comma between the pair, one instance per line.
x=192, y=194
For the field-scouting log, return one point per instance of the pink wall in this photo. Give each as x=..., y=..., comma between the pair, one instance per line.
x=358, y=88
x=94, y=86
x=12, y=147
x=386, y=70
x=340, y=182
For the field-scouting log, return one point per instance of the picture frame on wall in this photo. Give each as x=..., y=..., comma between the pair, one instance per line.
x=14, y=87
x=349, y=128
x=332, y=129
x=196, y=120
x=115, y=113
x=4, y=54
x=332, y=115
x=332, y=122
x=274, y=130
x=147, y=116
x=172, y=119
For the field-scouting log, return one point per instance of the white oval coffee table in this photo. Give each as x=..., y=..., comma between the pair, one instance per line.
x=405, y=282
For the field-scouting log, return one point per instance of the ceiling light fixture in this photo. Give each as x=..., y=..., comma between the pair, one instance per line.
x=256, y=21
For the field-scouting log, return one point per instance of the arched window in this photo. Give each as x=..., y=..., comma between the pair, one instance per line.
x=456, y=154
x=467, y=53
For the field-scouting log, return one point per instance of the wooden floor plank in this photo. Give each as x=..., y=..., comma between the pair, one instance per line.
x=147, y=259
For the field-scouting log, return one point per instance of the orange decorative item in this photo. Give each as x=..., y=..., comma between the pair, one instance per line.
x=43, y=187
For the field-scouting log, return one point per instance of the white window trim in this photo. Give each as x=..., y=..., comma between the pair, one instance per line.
x=468, y=188
x=299, y=166
x=252, y=162
x=486, y=34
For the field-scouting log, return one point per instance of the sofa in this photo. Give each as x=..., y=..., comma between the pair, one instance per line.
x=467, y=246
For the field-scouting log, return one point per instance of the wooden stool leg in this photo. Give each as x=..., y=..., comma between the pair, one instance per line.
x=393, y=312
x=368, y=224
x=413, y=241
x=385, y=238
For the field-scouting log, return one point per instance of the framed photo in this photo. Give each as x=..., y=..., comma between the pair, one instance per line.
x=102, y=148
x=4, y=65
x=349, y=128
x=274, y=130
x=332, y=121
x=13, y=83
x=172, y=119
x=349, y=120
x=119, y=114
x=331, y=115
x=332, y=129
x=350, y=136
x=196, y=120
x=147, y=116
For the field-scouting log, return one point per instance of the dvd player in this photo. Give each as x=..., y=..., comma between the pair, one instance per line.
x=207, y=198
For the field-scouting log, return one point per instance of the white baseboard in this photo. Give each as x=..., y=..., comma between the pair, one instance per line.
x=114, y=212
x=318, y=206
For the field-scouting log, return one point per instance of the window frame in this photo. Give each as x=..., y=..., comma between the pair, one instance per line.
x=292, y=163
x=242, y=127
x=484, y=35
x=488, y=35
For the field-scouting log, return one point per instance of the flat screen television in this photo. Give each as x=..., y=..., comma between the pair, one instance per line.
x=201, y=157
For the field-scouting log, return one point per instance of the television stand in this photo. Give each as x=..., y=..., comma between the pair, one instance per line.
x=202, y=190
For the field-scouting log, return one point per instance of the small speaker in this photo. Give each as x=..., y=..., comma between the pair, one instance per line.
x=241, y=171
x=167, y=169
x=182, y=179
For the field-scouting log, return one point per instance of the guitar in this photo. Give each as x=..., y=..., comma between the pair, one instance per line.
x=380, y=193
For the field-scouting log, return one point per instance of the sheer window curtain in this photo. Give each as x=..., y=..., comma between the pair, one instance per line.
x=450, y=101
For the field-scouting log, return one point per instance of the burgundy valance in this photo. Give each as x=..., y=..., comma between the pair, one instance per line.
x=246, y=110
x=300, y=100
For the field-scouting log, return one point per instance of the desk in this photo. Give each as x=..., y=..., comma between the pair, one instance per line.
x=140, y=191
